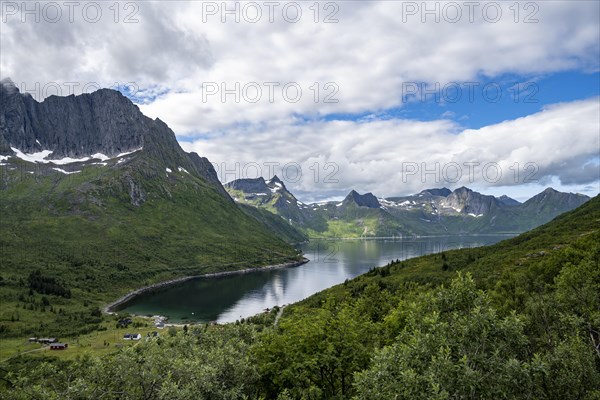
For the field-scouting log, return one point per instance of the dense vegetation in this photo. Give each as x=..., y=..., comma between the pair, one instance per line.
x=517, y=320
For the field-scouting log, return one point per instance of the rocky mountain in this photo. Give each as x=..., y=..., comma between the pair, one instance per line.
x=551, y=201
x=430, y=212
x=507, y=201
x=104, y=122
x=444, y=192
x=358, y=200
x=96, y=127
x=89, y=182
x=273, y=196
x=465, y=201
x=258, y=187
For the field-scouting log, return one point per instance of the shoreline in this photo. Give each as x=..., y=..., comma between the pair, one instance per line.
x=400, y=238
x=111, y=308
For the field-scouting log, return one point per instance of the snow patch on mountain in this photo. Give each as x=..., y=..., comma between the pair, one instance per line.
x=66, y=172
x=42, y=157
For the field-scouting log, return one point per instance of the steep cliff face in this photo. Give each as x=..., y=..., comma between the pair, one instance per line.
x=102, y=125
x=466, y=201
x=103, y=122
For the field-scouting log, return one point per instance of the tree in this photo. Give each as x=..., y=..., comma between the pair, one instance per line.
x=454, y=345
x=315, y=356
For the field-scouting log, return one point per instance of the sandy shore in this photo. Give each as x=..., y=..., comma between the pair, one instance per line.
x=110, y=309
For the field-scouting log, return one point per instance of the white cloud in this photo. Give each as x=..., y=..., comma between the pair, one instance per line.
x=559, y=143
x=369, y=54
x=152, y=51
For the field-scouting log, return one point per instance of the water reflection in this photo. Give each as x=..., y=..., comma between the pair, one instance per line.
x=227, y=299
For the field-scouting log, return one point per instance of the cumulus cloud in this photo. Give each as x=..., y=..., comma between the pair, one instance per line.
x=85, y=46
x=368, y=54
x=395, y=156
x=371, y=54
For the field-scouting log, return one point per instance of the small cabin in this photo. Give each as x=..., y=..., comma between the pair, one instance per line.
x=59, y=346
x=132, y=336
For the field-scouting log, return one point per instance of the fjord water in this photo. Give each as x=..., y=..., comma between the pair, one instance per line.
x=228, y=298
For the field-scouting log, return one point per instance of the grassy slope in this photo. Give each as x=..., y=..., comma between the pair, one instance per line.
x=545, y=281
x=83, y=230
x=283, y=203
x=275, y=223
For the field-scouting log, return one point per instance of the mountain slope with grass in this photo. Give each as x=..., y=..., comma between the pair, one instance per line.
x=99, y=200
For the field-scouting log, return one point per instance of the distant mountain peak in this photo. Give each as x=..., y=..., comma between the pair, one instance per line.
x=7, y=82
x=556, y=199
x=364, y=200
x=9, y=89
x=508, y=201
x=443, y=192
x=249, y=185
x=467, y=201
x=464, y=189
x=276, y=184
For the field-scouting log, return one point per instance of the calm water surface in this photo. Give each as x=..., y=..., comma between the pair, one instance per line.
x=229, y=298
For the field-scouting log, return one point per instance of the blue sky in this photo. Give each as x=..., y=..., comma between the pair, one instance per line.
x=504, y=98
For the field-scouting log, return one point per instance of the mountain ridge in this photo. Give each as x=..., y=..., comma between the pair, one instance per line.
x=431, y=211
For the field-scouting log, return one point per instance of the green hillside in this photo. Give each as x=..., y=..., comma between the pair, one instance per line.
x=110, y=229
x=516, y=320
x=275, y=224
